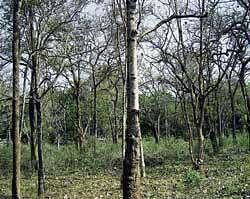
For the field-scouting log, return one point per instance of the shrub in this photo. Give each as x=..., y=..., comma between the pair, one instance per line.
x=192, y=177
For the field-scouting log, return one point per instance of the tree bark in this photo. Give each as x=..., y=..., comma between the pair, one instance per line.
x=142, y=161
x=214, y=142
x=124, y=115
x=23, y=102
x=94, y=128
x=32, y=100
x=32, y=119
x=41, y=181
x=15, y=101
x=232, y=92
x=115, y=126
x=233, y=118
x=79, y=130
x=131, y=163
x=219, y=122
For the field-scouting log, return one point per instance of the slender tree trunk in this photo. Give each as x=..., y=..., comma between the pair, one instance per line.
x=201, y=154
x=79, y=130
x=95, y=113
x=32, y=100
x=15, y=101
x=232, y=103
x=190, y=132
x=142, y=161
x=155, y=133
x=124, y=117
x=166, y=120
x=23, y=102
x=200, y=98
x=219, y=123
x=199, y=117
x=131, y=163
x=58, y=138
x=247, y=102
x=214, y=142
x=191, y=139
x=9, y=135
x=41, y=181
x=211, y=129
x=158, y=126
x=115, y=127
x=233, y=118
x=32, y=119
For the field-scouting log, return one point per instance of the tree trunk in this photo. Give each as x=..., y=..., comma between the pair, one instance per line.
x=79, y=130
x=15, y=100
x=155, y=133
x=32, y=100
x=198, y=113
x=41, y=181
x=124, y=117
x=131, y=163
x=233, y=118
x=32, y=119
x=115, y=138
x=247, y=102
x=210, y=127
x=58, y=140
x=201, y=153
x=190, y=131
x=142, y=161
x=23, y=102
x=219, y=124
x=214, y=142
x=94, y=130
x=158, y=126
x=32, y=133
x=248, y=120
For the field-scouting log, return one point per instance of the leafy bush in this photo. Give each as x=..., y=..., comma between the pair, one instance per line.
x=192, y=177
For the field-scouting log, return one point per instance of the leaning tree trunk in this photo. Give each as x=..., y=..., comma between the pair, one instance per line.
x=131, y=163
x=15, y=101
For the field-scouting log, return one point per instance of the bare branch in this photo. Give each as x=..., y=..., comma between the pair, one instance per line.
x=170, y=19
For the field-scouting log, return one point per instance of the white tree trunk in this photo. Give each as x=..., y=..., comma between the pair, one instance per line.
x=131, y=164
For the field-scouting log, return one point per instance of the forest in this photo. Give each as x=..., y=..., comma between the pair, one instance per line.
x=132, y=99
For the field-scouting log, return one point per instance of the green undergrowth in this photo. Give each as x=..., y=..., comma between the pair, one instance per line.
x=94, y=172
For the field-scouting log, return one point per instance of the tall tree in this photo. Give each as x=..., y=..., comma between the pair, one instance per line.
x=15, y=100
x=131, y=163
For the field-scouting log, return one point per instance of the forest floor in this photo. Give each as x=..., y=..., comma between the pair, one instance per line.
x=96, y=174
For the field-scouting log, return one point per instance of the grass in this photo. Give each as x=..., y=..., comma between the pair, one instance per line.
x=96, y=173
